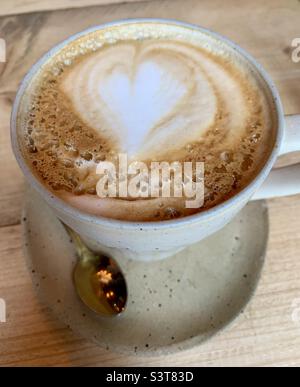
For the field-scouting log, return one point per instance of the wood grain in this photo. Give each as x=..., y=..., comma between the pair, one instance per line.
x=265, y=334
x=12, y=7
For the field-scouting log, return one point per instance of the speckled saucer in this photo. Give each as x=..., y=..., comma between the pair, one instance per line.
x=174, y=304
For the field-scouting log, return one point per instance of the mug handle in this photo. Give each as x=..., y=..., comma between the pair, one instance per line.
x=284, y=181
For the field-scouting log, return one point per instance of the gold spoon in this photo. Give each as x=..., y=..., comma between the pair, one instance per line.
x=98, y=279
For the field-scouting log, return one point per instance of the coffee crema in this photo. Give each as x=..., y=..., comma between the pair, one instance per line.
x=157, y=92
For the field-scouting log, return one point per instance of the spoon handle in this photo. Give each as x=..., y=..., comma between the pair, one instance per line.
x=84, y=253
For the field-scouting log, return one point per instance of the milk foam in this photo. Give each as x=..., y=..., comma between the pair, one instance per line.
x=155, y=92
x=151, y=98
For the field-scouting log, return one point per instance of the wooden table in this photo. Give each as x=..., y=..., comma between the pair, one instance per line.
x=268, y=333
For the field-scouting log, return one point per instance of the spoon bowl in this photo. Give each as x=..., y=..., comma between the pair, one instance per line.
x=98, y=280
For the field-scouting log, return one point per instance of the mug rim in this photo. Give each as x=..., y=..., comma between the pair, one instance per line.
x=56, y=202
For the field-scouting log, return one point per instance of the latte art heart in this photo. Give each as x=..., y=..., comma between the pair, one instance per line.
x=151, y=103
x=136, y=105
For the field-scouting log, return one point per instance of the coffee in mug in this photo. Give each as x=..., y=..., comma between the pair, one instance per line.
x=157, y=93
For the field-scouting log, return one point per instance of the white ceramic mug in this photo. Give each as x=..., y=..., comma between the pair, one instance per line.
x=156, y=240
